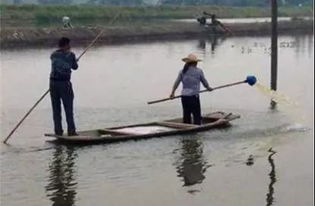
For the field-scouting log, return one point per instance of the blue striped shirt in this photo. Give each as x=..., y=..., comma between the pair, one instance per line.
x=191, y=81
x=61, y=64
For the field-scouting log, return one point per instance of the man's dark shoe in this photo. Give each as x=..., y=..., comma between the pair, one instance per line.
x=72, y=134
x=59, y=133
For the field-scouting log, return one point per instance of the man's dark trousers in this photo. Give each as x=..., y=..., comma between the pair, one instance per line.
x=62, y=91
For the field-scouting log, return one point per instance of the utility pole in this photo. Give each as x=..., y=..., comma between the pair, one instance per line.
x=274, y=47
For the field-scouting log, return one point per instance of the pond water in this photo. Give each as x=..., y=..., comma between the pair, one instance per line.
x=264, y=158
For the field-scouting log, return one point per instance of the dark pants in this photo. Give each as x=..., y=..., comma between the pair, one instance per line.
x=191, y=106
x=62, y=91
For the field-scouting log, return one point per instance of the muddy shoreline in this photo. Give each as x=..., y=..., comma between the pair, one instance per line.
x=47, y=37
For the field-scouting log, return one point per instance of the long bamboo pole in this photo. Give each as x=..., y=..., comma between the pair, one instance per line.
x=202, y=91
x=20, y=122
x=43, y=96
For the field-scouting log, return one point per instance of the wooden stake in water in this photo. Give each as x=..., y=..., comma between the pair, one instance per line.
x=274, y=48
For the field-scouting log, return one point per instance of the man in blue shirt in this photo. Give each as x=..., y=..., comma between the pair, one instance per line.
x=62, y=62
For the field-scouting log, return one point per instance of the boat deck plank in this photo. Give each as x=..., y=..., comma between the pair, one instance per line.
x=148, y=130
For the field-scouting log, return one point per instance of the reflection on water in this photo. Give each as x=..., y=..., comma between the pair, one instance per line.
x=302, y=45
x=250, y=160
x=150, y=68
x=61, y=188
x=191, y=165
x=214, y=41
x=202, y=44
x=272, y=175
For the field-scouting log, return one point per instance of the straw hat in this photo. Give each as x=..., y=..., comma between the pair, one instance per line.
x=191, y=58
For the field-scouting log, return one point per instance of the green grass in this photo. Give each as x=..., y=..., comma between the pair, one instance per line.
x=39, y=14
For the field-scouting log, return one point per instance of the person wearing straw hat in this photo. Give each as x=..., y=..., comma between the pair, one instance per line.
x=190, y=77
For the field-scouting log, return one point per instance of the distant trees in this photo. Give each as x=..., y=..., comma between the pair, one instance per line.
x=298, y=2
x=116, y=2
x=93, y=2
x=175, y=2
x=120, y=2
x=216, y=2
x=17, y=1
x=55, y=1
x=234, y=2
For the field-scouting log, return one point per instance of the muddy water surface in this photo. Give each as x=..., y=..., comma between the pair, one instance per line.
x=264, y=158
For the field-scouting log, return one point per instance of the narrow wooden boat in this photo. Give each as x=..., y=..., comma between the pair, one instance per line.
x=149, y=130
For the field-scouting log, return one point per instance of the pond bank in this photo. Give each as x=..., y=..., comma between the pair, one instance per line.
x=47, y=37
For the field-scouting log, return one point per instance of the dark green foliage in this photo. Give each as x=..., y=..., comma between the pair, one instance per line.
x=65, y=2
x=17, y=2
x=119, y=2
x=235, y=2
x=298, y=2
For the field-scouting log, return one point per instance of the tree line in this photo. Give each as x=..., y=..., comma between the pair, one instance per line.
x=239, y=3
x=236, y=2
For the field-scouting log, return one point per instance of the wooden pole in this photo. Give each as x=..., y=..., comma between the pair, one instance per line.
x=20, y=122
x=90, y=45
x=202, y=91
x=274, y=48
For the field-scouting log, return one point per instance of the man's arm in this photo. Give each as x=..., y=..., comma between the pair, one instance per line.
x=74, y=62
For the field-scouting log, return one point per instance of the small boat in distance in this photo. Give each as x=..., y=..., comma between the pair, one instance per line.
x=148, y=130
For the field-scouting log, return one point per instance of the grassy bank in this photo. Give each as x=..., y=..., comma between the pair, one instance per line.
x=169, y=30
x=41, y=25
x=46, y=15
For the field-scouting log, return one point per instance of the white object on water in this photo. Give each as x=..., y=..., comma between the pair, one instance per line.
x=66, y=22
x=296, y=127
x=65, y=19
